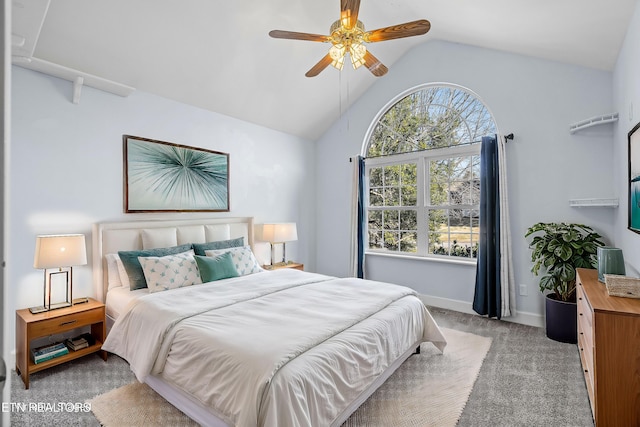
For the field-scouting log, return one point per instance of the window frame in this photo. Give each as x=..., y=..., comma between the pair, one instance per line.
x=420, y=157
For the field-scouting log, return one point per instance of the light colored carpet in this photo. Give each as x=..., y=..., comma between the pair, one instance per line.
x=430, y=389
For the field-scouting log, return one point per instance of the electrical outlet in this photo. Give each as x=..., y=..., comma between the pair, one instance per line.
x=523, y=290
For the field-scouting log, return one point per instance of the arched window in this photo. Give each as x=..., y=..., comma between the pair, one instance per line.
x=423, y=168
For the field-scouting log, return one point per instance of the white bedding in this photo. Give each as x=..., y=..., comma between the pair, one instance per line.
x=118, y=299
x=282, y=348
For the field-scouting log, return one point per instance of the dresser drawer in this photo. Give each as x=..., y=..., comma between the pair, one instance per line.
x=585, y=346
x=64, y=323
x=585, y=312
x=585, y=322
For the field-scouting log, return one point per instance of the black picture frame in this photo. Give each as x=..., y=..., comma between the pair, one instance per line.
x=162, y=176
x=634, y=179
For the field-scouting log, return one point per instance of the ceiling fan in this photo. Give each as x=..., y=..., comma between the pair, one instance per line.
x=347, y=35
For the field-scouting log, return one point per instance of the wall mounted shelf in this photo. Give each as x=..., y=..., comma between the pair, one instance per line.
x=594, y=121
x=603, y=203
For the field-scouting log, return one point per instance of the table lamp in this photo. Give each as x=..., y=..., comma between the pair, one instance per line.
x=60, y=252
x=279, y=233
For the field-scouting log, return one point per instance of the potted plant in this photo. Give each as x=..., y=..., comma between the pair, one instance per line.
x=558, y=249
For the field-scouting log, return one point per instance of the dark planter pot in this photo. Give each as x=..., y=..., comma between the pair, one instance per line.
x=561, y=320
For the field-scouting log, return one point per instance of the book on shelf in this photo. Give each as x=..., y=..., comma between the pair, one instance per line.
x=87, y=336
x=77, y=343
x=48, y=352
x=80, y=342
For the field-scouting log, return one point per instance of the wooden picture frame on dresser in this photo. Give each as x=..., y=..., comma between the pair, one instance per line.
x=609, y=345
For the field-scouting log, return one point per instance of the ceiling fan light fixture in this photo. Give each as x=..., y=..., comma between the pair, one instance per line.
x=337, y=52
x=348, y=36
x=357, y=52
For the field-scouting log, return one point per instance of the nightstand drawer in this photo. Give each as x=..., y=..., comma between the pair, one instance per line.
x=64, y=323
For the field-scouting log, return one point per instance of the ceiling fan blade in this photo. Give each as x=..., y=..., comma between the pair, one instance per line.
x=292, y=35
x=374, y=65
x=408, y=29
x=349, y=10
x=321, y=65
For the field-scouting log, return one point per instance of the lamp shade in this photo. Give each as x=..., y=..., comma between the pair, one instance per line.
x=279, y=233
x=63, y=250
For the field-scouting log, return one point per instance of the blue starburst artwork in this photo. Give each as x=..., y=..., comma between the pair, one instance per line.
x=161, y=176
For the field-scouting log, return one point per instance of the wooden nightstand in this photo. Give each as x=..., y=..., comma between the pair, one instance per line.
x=32, y=326
x=290, y=264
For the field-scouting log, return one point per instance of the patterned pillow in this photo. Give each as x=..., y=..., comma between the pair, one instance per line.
x=170, y=272
x=243, y=259
x=134, y=269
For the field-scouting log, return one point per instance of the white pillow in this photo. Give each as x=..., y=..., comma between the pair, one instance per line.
x=124, y=277
x=170, y=272
x=243, y=259
x=113, y=275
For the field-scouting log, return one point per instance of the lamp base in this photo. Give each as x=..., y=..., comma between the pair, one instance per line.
x=42, y=309
x=36, y=310
x=60, y=305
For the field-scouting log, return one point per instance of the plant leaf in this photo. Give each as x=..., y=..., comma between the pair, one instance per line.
x=566, y=272
x=548, y=283
x=564, y=252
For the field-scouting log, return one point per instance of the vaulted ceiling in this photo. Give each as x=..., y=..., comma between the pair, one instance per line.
x=217, y=55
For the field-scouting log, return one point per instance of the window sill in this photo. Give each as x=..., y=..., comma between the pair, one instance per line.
x=446, y=260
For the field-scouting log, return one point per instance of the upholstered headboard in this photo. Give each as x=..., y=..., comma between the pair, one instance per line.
x=111, y=237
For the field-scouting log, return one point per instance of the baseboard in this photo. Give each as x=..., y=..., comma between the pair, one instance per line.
x=521, y=317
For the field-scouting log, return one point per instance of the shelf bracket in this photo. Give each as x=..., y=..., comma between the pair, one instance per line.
x=77, y=88
x=593, y=121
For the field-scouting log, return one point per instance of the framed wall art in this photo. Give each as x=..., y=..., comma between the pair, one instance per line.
x=634, y=179
x=165, y=177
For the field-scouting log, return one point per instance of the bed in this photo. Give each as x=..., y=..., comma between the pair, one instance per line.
x=268, y=348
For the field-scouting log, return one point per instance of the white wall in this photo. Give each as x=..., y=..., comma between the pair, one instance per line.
x=535, y=99
x=66, y=169
x=626, y=98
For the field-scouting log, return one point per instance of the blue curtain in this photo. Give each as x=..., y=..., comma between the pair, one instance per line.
x=361, y=225
x=486, y=300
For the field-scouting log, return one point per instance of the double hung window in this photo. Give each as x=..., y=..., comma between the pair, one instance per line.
x=423, y=174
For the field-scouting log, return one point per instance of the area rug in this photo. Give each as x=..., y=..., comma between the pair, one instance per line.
x=430, y=389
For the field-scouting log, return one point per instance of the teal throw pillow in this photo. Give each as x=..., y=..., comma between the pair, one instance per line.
x=216, y=268
x=134, y=269
x=199, y=248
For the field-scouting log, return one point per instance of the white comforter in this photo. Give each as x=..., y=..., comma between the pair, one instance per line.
x=283, y=348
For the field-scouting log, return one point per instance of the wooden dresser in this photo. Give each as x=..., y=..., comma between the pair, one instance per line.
x=609, y=344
